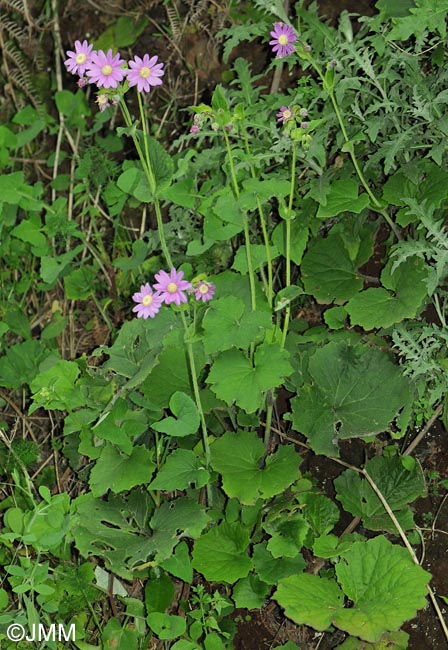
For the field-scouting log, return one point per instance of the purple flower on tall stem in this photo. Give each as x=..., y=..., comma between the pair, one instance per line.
x=204, y=291
x=148, y=302
x=145, y=73
x=284, y=114
x=283, y=36
x=78, y=60
x=105, y=70
x=172, y=286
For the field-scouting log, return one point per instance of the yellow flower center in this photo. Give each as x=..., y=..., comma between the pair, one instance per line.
x=106, y=70
x=287, y=114
x=283, y=39
x=172, y=287
x=81, y=58
x=145, y=72
x=147, y=300
x=203, y=288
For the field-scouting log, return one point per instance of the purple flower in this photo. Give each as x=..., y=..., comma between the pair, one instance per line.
x=284, y=114
x=105, y=70
x=172, y=286
x=283, y=36
x=148, y=302
x=78, y=60
x=204, y=291
x=194, y=129
x=145, y=73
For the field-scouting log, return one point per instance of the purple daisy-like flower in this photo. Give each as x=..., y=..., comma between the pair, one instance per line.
x=204, y=291
x=172, y=286
x=105, y=70
x=78, y=60
x=284, y=114
x=145, y=73
x=283, y=36
x=148, y=302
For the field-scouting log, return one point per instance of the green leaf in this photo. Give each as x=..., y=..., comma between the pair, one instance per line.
x=114, y=636
x=264, y=190
x=328, y=272
x=121, y=425
x=287, y=535
x=234, y=379
x=250, y=592
x=221, y=553
x=259, y=257
x=186, y=420
x=309, y=599
x=119, y=473
x=320, y=511
x=134, y=182
x=55, y=388
x=377, y=307
x=271, y=569
x=181, y=469
x=229, y=324
x=79, y=284
x=299, y=239
x=356, y=391
x=242, y=476
x=182, y=193
x=335, y=317
x=399, y=486
x=166, y=626
x=385, y=586
x=159, y=593
x=106, y=529
x=343, y=197
x=179, y=564
x=180, y=518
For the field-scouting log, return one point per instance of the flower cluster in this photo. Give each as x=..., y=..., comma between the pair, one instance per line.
x=107, y=70
x=169, y=288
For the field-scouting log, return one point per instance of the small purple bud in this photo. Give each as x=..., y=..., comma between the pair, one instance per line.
x=303, y=112
x=304, y=125
x=81, y=82
x=194, y=129
x=307, y=47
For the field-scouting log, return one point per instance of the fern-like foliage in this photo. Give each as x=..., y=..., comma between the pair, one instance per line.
x=16, y=40
x=422, y=349
x=430, y=244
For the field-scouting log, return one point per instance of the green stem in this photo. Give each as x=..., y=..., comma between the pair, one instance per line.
x=288, y=239
x=269, y=292
x=376, y=203
x=197, y=397
x=236, y=190
x=147, y=168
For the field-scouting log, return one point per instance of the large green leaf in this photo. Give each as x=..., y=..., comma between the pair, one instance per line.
x=229, y=324
x=242, y=475
x=121, y=425
x=181, y=469
x=299, y=239
x=399, y=486
x=186, y=420
x=385, y=586
x=234, y=379
x=356, y=391
x=119, y=472
x=309, y=599
x=221, y=553
x=328, y=272
x=379, y=307
x=271, y=569
x=343, y=197
x=106, y=529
